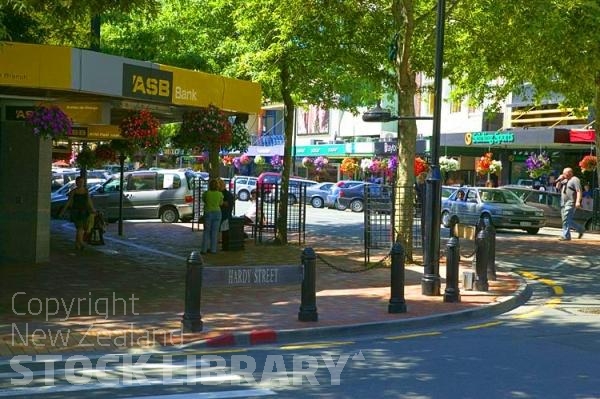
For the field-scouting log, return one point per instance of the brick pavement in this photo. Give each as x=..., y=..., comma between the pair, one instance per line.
x=129, y=293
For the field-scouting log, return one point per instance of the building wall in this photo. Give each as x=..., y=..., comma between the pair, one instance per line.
x=25, y=173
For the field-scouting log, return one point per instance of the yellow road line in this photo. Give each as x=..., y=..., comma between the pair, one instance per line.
x=416, y=335
x=558, y=290
x=484, y=325
x=315, y=345
x=528, y=314
x=530, y=275
x=553, y=302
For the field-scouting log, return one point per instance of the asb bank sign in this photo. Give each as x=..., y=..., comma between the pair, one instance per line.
x=147, y=83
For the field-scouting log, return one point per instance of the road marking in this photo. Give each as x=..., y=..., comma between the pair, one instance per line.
x=528, y=314
x=416, y=335
x=484, y=325
x=553, y=302
x=213, y=395
x=316, y=345
x=530, y=275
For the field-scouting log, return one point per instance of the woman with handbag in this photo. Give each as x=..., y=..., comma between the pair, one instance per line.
x=81, y=207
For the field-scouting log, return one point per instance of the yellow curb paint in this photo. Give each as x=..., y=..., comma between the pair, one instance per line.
x=530, y=275
x=484, y=325
x=316, y=345
x=408, y=336
x=547, y=281
x=558, y=290
x=553, y=302
x=528, y=314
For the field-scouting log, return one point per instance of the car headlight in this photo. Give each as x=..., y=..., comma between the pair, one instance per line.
x=507, y=212
x=539, y=213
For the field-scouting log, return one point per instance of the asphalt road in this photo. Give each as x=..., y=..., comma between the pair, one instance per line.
x=547, y=348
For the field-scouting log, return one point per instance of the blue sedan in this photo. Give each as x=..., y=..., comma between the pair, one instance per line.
x=500, y=207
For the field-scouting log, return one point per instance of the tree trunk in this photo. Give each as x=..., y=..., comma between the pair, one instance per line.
x=288, y=120
x=406, y=89
x=213, y=162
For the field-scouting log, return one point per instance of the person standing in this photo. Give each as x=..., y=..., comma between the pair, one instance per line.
x=81, y=207
x=570, y=199
x=226, y=212
x=213, y=199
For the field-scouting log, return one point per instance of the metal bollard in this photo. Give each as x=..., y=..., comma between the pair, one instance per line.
x=397, y=302
x=192, y=319
x=452, y=292
x=491, y=264
x=481, y=262
x=308, y=304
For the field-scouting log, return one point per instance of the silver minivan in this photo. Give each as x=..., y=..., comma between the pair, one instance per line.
x=165, y=194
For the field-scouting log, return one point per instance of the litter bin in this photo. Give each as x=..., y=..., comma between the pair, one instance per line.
x=233, y=239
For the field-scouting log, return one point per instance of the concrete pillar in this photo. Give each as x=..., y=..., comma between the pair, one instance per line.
x=25, y=176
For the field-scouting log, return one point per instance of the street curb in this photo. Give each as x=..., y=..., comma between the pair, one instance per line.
x=268, y=336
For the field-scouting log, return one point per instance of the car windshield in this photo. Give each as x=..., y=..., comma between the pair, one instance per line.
x=499, y=196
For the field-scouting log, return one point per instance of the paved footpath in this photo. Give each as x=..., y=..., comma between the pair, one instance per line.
x=129, y=295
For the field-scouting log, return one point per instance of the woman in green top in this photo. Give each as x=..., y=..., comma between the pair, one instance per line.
x=213, y=199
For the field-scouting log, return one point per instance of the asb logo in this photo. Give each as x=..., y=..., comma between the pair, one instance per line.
x=147, y=83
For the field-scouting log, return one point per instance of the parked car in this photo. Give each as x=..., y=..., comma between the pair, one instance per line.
x=242, y=186
x=296, y=189
x=331, y=199
x=165, y=194
x=500, y=207
x=266, y=181
x=353, y=197
x=448, y=190
x=549, y=202
x=316, y=194
x=59, y=198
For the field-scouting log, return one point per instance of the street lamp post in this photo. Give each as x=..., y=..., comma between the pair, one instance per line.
x=430, y=282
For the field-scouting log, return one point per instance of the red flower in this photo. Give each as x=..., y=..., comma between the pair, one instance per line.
x=483, y=163
x=421, y=166
x=141, y=128
x=589, y=163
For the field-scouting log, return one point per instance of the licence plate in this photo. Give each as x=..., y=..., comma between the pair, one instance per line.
x=525, y=223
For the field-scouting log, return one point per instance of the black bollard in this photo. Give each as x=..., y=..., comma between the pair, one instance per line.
x=308, y=305
x=481, y=262
x=491, y=264
x=452, y=292
x=397, y=302
x=192, y=319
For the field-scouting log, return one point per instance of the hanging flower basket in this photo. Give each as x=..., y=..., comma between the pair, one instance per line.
x=227, y=160
x=276, y=161
x=206, y=129
x=538, y=165
x=245, y=159
x=308, y=162
x=50, y=122
x=421, y=166
x=349, y=166
x=86, y=158
x=448, y=164
x=320, y=163
x=141, y=129
x=589, y=163
x=105, y=153
x=240, y=140
x=259, y=160
x=392, y=165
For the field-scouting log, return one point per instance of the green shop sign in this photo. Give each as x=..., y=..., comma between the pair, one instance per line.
x=489, y=138
x=321, y=149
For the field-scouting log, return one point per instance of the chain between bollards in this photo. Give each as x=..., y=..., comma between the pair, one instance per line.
x=397, y=302
x=308, y=305
x=192, y=319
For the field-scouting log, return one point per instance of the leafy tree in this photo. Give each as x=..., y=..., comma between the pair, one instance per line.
x=551, y=44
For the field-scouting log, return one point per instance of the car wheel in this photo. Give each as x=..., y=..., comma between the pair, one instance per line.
x=357, y=206
x=532, y=231
x=317, y=202
x=169, y=215
x=339, y=206
x=243, y=195
x=446, y=219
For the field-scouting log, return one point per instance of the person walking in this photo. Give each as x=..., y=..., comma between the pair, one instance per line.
x=570, y=199
x=213, y=199
x=226, y=212
x=81, y=207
